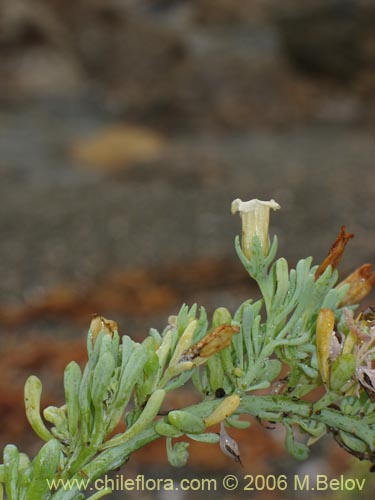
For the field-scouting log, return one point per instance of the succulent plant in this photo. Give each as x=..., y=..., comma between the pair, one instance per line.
x=304, y=323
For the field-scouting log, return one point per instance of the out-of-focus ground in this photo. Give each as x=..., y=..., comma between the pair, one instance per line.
x=126, y=130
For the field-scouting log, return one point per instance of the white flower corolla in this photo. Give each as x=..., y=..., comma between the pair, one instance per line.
x=255, y=215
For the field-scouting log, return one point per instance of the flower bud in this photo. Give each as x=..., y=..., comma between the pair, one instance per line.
x=335, y=252
x=99, y=323
x=228, y=406
x=211, y=343
x=255, y=215
x=324, y=331
x=360, y=282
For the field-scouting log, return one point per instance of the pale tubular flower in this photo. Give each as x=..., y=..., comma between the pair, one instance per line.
x=228, y=445
x=255, y=215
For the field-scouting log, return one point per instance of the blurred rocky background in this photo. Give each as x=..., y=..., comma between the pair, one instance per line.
x=127, y=127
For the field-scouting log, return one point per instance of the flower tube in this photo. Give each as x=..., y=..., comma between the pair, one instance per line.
x=255, y=215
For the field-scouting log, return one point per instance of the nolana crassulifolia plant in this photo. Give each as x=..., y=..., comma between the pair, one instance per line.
x=304, y=326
